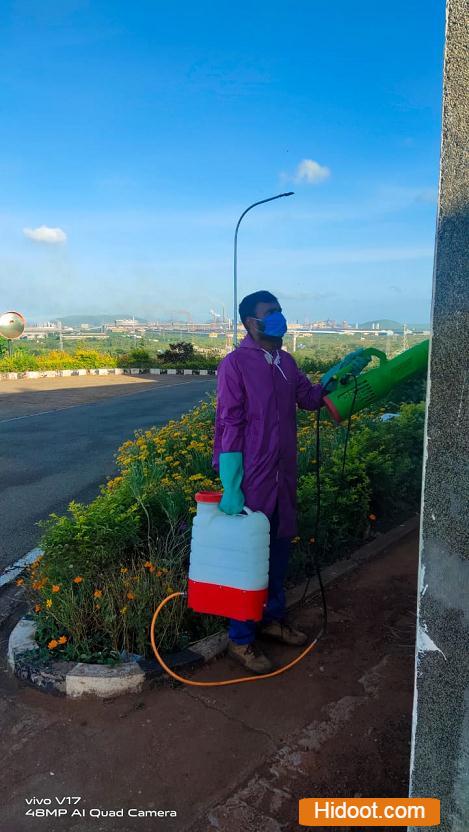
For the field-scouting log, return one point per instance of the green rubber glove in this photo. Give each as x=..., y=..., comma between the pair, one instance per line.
x=231, y=475
x=355, y=361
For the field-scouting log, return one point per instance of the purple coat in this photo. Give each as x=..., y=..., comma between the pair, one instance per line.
x=256, y=414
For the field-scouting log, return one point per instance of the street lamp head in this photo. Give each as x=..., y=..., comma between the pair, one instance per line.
x=235, y=258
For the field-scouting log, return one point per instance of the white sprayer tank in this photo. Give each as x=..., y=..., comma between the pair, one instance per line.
x=229, y=561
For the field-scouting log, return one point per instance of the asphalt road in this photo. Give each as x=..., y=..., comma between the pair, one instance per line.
x=51, y=458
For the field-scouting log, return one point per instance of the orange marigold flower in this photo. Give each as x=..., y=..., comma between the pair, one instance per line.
x=151, y=568
x=124, y=570
x=98, y=606
x=56, y=588
x=52, y=644
x=97, y=593
x=63, y=640
x=37, y=608
x=130, y=596
x=312, y=540
x=147, y=564
x=37, y=585
x=372, y=517
x=19, y=581
x=78, y=579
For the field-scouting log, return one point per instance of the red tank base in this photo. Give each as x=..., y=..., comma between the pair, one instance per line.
x=215, y=599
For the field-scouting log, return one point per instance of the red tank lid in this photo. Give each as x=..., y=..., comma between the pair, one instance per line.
x=209, y=496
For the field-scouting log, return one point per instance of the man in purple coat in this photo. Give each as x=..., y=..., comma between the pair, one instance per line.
x=259, y=388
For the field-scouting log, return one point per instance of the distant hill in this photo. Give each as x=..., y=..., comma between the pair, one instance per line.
x=386, y=323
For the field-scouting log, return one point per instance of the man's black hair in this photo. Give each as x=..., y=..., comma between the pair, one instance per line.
x=247, y=307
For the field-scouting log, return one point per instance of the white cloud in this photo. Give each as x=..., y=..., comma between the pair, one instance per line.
x=310, y=172
x=44, y=234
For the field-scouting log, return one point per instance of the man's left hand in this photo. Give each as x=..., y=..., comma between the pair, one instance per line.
x=355, y=362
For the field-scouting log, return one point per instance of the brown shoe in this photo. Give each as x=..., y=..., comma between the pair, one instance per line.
x=250, y=657
x=283, y=632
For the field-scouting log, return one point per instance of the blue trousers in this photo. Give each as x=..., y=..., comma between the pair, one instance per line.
x=244, y=632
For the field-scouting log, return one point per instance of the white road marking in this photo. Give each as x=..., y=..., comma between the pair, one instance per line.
x=11, y=572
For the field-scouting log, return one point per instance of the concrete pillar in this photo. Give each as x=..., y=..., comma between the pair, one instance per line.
x=440, y=735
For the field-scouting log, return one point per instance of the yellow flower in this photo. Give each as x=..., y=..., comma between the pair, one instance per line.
x=124, y=570
x=52, y=644
x=130, y=596
x=169, y=589
x=296, y=540
x=49, y=602
x=56, y=588
x=78, y=579
x=19, y=581
x=123, y=610
x=97, y=593
x=63, y=640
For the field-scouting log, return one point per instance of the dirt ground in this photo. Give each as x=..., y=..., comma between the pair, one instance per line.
x=240, y=758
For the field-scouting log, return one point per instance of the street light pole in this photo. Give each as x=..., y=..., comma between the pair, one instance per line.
x=235, y=261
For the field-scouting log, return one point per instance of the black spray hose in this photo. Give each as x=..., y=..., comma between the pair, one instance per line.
x=313, y=564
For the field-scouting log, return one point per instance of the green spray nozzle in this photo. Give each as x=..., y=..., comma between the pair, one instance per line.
x=343, y=375
x=352, y=393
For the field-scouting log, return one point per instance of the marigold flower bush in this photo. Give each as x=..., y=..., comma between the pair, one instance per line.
x=81, y=358
x=140, y=520
x=108, y=564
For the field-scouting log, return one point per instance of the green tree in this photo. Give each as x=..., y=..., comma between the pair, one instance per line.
x=180, y=352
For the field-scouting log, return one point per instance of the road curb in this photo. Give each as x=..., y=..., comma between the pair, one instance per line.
x=77, y=679
x=104, y=371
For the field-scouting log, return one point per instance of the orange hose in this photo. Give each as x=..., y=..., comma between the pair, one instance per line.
x=227, y=681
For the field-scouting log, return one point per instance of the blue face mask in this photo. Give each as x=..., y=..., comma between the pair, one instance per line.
x=274, y=325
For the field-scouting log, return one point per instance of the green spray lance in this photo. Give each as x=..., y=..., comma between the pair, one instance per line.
x=354, y=393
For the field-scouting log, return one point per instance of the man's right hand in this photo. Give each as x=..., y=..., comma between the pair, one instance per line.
x=231, y=475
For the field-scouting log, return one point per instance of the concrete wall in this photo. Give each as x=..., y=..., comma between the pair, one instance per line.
x=440, y=741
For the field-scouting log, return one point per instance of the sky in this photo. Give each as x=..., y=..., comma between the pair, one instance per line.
x=133, y=135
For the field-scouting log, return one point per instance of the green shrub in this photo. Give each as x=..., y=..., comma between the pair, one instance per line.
x=138, y=357
x=18, y=362
x=81, y=358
